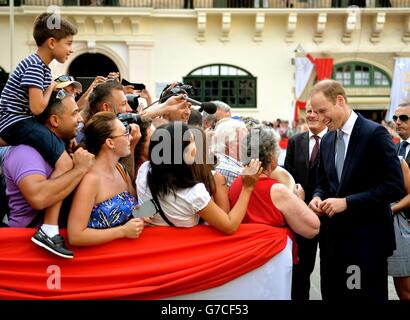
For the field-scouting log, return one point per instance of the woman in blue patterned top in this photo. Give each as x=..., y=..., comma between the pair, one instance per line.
x=102, y=206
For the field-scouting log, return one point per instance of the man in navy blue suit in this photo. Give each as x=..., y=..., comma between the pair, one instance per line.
x=302, y=158
x=359, y=175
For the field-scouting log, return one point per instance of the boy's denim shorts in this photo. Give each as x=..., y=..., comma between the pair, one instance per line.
x=34, y=134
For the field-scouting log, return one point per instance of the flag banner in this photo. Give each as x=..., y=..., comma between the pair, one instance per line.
x=163, y=262
x=400, y=90
x=303, y=72
x=304, y=67
x=324, y=68
x=299, y=105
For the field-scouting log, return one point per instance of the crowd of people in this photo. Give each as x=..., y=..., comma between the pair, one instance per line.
x=104, y=170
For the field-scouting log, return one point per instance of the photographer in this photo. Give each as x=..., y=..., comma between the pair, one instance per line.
x=83, y=102
x=134, y=91
x=110, y=96
x=172, y=104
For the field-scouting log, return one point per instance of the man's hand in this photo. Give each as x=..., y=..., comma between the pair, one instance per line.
x=128, y=89
x=145, y=94
x=71, y=145
x=333, y=205
x=83, y=159
x=113, y=75
x=175, y=103
x=315, y=205
x=135, y=134
x=98, y=80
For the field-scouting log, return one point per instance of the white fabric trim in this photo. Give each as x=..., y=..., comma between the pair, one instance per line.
x=271, y=281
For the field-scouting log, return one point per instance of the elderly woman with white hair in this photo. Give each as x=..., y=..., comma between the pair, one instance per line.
x=226, y=142
x=273, y=203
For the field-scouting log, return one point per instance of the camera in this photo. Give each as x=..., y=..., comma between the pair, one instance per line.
x=178, y=89
x=132, y=100
x=128, y=118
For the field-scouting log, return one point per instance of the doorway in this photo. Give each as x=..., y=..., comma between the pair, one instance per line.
x=87, y=66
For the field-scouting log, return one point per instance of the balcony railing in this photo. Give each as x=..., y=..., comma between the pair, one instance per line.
x=189, y=4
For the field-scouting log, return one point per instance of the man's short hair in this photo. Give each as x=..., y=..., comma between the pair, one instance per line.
x=102, y=94
x=404, y=104
x=224, y=132
x=209, y=118
x=195, y=118
x=220, y=105
x=55, y=106
x=330, y=89
x=42, y=30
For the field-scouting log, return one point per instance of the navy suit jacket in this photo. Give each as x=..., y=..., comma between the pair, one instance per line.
x=370, y=181
x=297, y=163
x=408, y=155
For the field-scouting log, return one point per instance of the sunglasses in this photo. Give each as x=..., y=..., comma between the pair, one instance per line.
x=125, y=134
x=402, y=117
x=64, y=78
x=61, y=94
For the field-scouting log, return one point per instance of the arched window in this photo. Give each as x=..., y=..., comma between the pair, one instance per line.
x=230, y=84
x=360, y=74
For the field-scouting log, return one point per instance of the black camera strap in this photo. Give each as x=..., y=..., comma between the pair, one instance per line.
x=163, y=216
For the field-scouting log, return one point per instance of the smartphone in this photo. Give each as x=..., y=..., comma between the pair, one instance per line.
x=137, y=86
x=147, y=209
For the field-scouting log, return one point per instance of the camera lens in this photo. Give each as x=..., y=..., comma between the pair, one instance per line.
x=132, y=100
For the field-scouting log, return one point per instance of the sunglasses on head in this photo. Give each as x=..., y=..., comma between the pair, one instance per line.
x=64, y=78
x=61, y=94
x=402, y=117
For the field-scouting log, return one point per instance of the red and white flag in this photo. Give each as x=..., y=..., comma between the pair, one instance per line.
x=304, y=68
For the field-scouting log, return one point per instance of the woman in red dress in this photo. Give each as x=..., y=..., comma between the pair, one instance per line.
x=271, y=202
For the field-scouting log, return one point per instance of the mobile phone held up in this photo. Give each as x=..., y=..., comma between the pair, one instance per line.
x=147, y=209
x=137, y=86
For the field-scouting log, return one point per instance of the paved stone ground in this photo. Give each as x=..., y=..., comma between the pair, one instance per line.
x=315, y=284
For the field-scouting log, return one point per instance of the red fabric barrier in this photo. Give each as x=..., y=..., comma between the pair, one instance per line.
x=163, y=262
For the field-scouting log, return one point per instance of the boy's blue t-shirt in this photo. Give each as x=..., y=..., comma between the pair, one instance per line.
x=14, y=99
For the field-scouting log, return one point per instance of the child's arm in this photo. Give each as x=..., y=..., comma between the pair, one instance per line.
x=38, y=99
